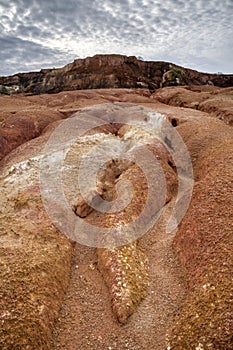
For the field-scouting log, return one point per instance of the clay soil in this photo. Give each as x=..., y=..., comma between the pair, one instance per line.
x=52, y=295
x=86, y=320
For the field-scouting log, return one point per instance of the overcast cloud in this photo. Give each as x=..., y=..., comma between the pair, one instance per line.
x=37, y=34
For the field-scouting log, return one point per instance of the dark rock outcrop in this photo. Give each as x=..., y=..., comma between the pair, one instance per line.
x=107, y=71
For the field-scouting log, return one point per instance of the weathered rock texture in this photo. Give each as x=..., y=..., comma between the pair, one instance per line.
x=204, y=240
x=124, y=269
x=109, y=71
x=216, y=102
x=24, y=118
x=36, y=259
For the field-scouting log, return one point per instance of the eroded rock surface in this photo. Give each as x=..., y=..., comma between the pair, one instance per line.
x=24, y=118
x=36, y=259
x=108, y=71
x=204, y=241
x=216, y=102
x=35, y=255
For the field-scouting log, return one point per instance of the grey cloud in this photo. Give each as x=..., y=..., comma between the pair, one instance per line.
x=174, y=30
x=24, y=30
x=25, y=54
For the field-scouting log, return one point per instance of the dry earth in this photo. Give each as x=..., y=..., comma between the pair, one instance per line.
x=55, y=295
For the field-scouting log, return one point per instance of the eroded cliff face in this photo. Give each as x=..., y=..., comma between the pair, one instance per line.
x=36, y=258
x=109, y=71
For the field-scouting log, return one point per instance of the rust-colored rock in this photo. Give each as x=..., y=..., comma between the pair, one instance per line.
x=125, y=268
x=23, y=126
x=108, y=71
x=204, y=240
x=212, y=100
x=125, y=271
x=36, y=258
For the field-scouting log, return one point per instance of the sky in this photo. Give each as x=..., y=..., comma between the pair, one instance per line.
x=36, y=34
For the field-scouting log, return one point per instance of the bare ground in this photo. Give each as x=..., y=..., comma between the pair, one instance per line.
x=86, y=320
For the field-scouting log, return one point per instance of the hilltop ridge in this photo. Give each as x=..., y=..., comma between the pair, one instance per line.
x=109, y=71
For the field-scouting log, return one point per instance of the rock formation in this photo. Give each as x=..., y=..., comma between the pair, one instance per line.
x=108, y=71
x=216, y=102
x=204, y=240
x=36, y=259
x=174, y=76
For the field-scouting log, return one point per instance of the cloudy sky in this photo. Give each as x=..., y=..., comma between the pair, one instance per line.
x=37, y=34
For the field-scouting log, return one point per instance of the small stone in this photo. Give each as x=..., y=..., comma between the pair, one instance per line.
x=91, y=267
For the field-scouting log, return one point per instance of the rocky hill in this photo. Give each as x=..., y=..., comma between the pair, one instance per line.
x=109, y=71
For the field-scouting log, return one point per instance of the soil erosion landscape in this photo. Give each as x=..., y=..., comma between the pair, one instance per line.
x=116, y=207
